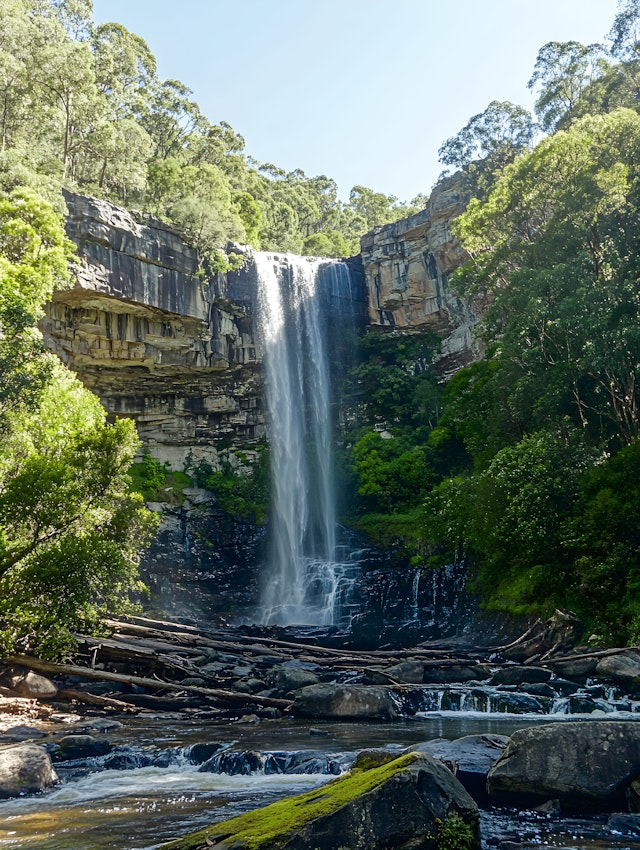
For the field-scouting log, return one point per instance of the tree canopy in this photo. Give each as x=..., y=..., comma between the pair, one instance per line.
x=70, y=527
x=82, y=104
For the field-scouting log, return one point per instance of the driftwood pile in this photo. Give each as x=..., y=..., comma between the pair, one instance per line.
x=158, y=665
x=169, y=666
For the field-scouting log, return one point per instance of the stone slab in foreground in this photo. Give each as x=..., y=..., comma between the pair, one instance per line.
x=586, y=765
x=404, y=804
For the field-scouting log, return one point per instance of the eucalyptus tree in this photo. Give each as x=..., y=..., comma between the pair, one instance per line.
x=562, y=71
x=555, y=247
x=488, y=142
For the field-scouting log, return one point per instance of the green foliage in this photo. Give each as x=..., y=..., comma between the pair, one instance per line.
x=34, y=256
x=391, y=472
x=453, y=834
x=602, y=539
x=68, y=521
x=555, y=244
x=488, y=142
x=625, y=32
x=70, y=529
x=389, y=456
x=562, y=71
x=554, y=249
x=240, y=486
x=395, y=382
x=148, y=477
x=82, y=104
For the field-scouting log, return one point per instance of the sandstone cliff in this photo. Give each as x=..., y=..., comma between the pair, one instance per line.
x=152, y=339
x=180, y=355
x=407, y=265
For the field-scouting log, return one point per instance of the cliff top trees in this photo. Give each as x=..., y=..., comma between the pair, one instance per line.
x=562, y=71
x=83, y=105
x=488, y=142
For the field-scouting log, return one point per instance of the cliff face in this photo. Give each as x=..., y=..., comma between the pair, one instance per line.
x=407, y=265
x=181, y=356
x=153, y=340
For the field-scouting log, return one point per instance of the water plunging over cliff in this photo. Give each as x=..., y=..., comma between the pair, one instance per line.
x=299, y=301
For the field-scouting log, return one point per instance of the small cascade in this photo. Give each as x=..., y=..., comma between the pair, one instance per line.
x=415, y=590
x=302, y=304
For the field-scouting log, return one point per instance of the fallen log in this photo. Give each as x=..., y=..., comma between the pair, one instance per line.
x=211, y=694
x=94, y=699
x=522, y=639
x=240, y=643
x=113, y=650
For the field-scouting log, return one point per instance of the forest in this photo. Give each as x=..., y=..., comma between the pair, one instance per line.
x=526, y=463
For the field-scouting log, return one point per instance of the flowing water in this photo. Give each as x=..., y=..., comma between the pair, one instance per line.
x=301, y=302
x=159, y=793
x=140, y=807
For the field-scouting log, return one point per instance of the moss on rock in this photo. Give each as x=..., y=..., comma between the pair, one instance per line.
x=285, y=824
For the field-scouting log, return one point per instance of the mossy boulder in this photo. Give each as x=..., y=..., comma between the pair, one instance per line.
x=401, y=804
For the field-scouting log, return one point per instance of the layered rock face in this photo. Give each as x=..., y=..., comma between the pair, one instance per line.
x=153, y=340
x=407, y=265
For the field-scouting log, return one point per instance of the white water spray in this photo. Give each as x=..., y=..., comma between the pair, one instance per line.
x=304, y=581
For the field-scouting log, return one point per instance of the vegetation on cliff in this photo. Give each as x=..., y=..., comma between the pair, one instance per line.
x=530, y=466
x=70, y=529
x=82, y=105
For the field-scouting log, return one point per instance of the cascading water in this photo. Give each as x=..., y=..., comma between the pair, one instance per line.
x=305, y=581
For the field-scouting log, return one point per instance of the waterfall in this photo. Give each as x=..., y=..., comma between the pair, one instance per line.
x=298, y=299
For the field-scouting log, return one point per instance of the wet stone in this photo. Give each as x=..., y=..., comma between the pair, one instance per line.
x=516, y=675
x=73, y=747
x=22, y=733
x=538, y=689
x=623, y=824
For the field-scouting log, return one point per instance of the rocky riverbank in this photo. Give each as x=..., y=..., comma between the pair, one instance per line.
x=67, y=721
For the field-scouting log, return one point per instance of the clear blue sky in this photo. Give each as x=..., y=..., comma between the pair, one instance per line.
x=364, y=91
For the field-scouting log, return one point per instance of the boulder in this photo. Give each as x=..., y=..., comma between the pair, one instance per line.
x=585, y=765
x=25, y=769
x=623, y=824
x=411, y=672
x=22, y=733
x=405, y=804
x=458, y=673
x=517, y=703
x=286, y=679
x=72, y=747
x=345, y=702
x=624, y=669
x=29, y=684
x=517, y=675
x=574, y=668
x=470, y=758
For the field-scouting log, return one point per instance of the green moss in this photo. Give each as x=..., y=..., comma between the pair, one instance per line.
x=266, y=828
x=368, y=759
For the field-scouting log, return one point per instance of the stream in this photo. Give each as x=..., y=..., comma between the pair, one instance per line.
x=159, y=793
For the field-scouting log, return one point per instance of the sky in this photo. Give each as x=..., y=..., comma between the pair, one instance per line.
x=363, y=91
